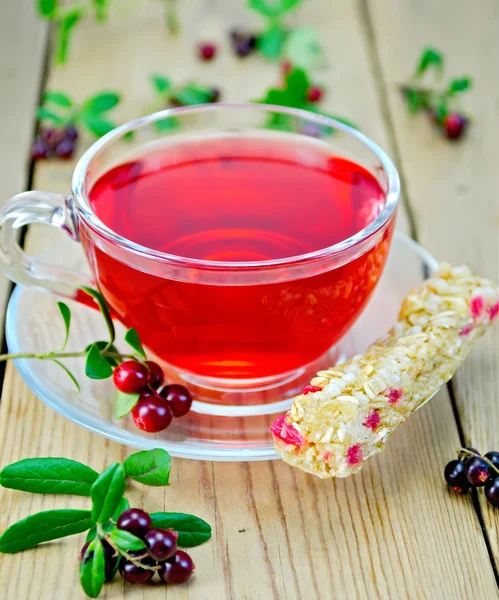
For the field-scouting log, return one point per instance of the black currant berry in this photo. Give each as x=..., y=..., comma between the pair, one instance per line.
x=161, y=544
x=135, y=521
x=477, y=471
x=492, y=492
x=455, y=476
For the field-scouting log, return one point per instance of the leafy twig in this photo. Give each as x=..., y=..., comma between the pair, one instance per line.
x=63, y=476
x=59, y=109
x=294, y=94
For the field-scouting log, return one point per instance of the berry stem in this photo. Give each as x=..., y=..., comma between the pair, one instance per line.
x=134, y=559
x=171, y=17
x=464, y=452
x=51, y=355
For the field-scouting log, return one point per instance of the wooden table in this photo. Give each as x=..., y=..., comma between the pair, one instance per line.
x=393, y=531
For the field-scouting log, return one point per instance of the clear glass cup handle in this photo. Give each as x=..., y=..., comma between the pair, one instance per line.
x=38, y=207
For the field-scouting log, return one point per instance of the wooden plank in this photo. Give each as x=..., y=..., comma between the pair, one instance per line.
x=389, y=532
x=22, y=51
x=453, y=187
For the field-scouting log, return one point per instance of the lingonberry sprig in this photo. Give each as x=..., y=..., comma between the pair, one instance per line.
x=440, y=104
x=297, y=91
x=61, y=116
x=301, y=46
x=471, y=470
x=119, y=538
x=169, y=94
x=139, y=382
x=66, y=15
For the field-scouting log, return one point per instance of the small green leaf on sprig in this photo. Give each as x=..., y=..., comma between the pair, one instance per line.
x=61, y=119
x=300, y=46
x=124, y=403
x=66, y=316
x=151, y=467
x=106, y=545
x=92, y=569
x=295, y=93
x=133, y=340
x=430, y=59
x=441, y=105
x=135, y=378
x=168, y=94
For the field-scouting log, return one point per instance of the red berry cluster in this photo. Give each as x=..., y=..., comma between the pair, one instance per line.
x=471, y=470
x=157, y=405
x=160, y=554
x=54, y=143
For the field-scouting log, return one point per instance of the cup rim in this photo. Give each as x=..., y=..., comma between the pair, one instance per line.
x=391, y=197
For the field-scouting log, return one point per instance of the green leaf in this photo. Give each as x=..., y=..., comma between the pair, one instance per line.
x=167, y=124
x=106, y=492
x=122, y=506
x=100, y=103
x=273, y=8
x=104, y=308
x=44, y=527
x=64, y=33
x=430, y=58
x=457, y=86
x=93, y=569
x=126, y=541
x=68, y=373
x=150, y=467
x=124, y=403
x=297, y=84
x=42, y=114
x=97, y=124
x=441, y=109
x=279, y=98
x=49, y=476
x=162, y=84
x=132, y=339
x=92, y=534
x=303, y=48
x=96, y=366
x=192, y=94
x=47, y=8
x=192, y=531
x=58, y=98
x=66, y=317
x=101, y=9
x=270, y=42
x=105, y=346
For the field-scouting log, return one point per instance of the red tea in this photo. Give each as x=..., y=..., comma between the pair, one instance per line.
x=238, y=199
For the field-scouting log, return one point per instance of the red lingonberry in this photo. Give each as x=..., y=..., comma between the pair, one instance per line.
x=131, y=377
x=207, y=51
x=156, y=375
x=179, y=399
x=152, y=414
x=455, y=125
x=314, y=94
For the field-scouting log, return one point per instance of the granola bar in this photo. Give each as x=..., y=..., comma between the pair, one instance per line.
x=347, y=413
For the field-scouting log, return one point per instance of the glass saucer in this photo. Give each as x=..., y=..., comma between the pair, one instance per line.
x=211, y=431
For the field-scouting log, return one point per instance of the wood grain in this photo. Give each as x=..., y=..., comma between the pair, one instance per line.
x=22, y=52
x=453, y=188
x=391, y=532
